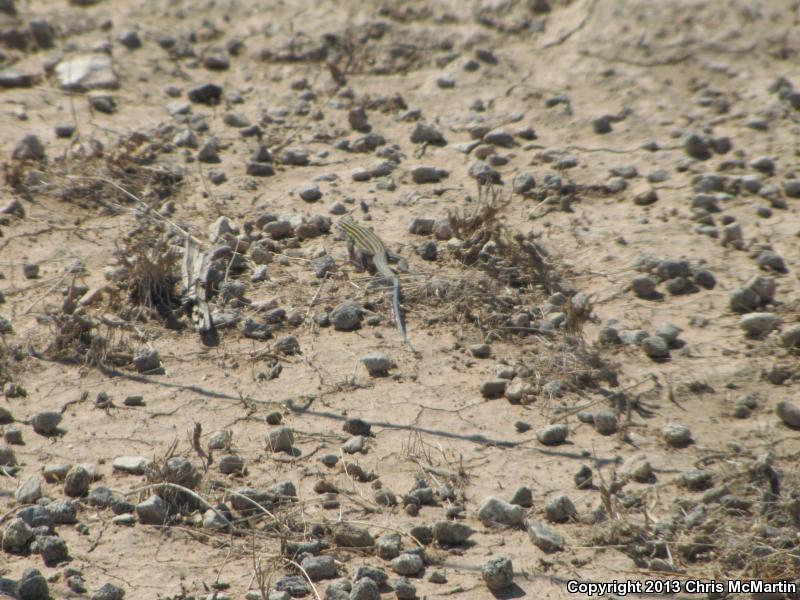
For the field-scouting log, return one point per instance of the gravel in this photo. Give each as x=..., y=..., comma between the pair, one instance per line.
x=493, y=388
x=759, y=324
x=583, y=478
x=494, y=511
x=552, y=435
x=153, y=511
x=407, y=564
x=16, y=536
x=543, y=537
x=789, y=413
x=644, y=286
x=109, y=591
x=319, y=567
x=134, y=465
x=655, y=347
x=427, y=174
x=77, y=481
x=451, y=532
x=346, y=316
x=29, y=491
x=377, y=364
x=280, y=439
x=560, y=509
x=53, y=549
x=498, y=573
x=45, y=423
x=352, y=536
x=677, y=436
x=523, y=496
x=605, y=422
x=423, y=133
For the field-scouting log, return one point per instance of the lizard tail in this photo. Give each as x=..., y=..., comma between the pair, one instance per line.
x=398, y=315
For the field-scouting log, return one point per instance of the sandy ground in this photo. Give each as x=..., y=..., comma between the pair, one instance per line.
x=662, y=70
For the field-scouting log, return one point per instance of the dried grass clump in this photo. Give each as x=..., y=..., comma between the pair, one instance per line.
x=473, y=299
x=510, y=274
x=6, y=364
x=747, y=532
x=78, y=339
x=570, y=359
x=490, y=245
x=174, y=470
x=83, y=175
x=150, y=275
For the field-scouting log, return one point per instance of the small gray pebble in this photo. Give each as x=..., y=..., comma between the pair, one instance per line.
x=319, y=567
x=365, y=589
x=288, y=345
x=46, y=422
x=759, y=324
x=404, y=589
x=560, y=509
x=346, y=317
x=230, y=464
x=523, y=497
x=53, y=549
x=451, y=532
x=153, y=511
x=498, y=573
x=280, y=439
x=677, y=436
x=109, y=591
x=552, y=435
x=697, y=147
x=544, y=538
x=494, y=511
x=655, y=347
x=13, y=435
x=77, y=482
x=354, y=445
x=147, y=359
x=789, y=413
x=493, y=388
x=644, y=286
x=583, y=478
x=605, y=422
x=310, y=193
x=697, y=480
x=669, y=332
x=407, y=564
x=377, y=364
x=744, y=299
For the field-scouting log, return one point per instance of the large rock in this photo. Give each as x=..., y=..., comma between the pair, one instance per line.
x=87, y=72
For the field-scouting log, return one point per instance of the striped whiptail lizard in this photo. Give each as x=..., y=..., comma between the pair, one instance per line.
x=362, y=243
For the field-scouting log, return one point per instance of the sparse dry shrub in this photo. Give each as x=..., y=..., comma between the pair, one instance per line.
x=748, y=531
x=80, y=339
x=173, y=469
x=150, y=275
x=490, y=245
x=507, y=274
x=5, y=363
x=82, y=175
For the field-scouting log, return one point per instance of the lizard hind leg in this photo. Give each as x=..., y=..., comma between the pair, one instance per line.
x=363, y=262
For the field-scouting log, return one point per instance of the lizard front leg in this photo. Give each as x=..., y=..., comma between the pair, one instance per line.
x=357, y=257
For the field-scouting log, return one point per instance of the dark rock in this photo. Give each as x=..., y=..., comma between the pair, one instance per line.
x=207, y=93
